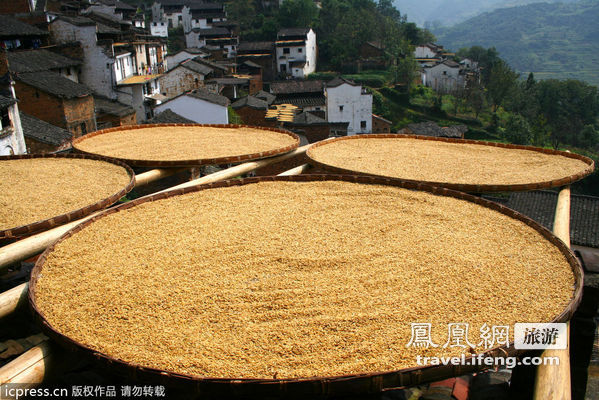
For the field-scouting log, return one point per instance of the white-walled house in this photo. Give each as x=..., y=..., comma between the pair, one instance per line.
x=202, y=15
x=184, y=77
x=159, y=28
x=11, y=132
x=199, y=105
x=217, y=37
x=296, y=52
x=349, y=102
x=443, y=77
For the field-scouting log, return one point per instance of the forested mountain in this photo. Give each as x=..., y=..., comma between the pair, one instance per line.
x=552, y=40
x=438, y=13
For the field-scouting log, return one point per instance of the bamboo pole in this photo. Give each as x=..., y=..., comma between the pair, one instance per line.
x=154, y=175
x=30, y=368
x=553, y=381
x=296, y=171
x=13, y=299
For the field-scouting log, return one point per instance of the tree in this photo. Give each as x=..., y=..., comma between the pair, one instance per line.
x=298, y=13
x=243, y=12
x=476, y=99
x=501, y=81
x=517, y=130
x=589, y=137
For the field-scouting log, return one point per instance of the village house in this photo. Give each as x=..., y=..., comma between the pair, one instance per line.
x=125, y=71
x=230, y=87
x=21, y=61
x=202, y=15
x=199, y=105
x=306, y=95
x=347, y=101
x=57, y=100
x=42, y=137
x=175, y=59
x=215, y=37
x=184, y=77
x=252, y=111
x=296, y=52
x=380, y=124
x=115, y=8
x=443, y=77
x=261, y=53
x=11, y=131
x=253, y=72
x=111, y=113
x=15, y=34
x=159, y=29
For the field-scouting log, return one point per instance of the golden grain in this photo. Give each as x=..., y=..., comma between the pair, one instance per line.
x=176, y=143
x=36, y=189
x=436, y=161
x=296, y=279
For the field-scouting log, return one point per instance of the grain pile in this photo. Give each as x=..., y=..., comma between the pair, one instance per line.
x=176, y=143
x=36, y=189
x=296, y=279
x=436, y=161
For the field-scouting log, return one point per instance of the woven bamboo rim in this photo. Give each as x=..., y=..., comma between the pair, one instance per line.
x=326, y=385
x=469, y=188
x=197, y=162
x=44, y=225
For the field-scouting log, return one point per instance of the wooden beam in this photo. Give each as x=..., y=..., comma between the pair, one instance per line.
x=29, y=368
x=553, y=381
x=155, y=175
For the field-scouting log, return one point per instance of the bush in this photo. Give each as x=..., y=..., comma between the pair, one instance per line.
x=517, y=130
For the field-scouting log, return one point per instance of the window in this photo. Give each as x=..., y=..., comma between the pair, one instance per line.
x=180, y=17
x=300, y=50
x=5, y=119
x=340, y=108
x=209, y=20
x=286, y=50
x=363, y=124
x=37, y=94
x=83, y=128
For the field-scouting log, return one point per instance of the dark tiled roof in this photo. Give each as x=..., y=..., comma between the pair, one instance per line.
x=451, y=64
x=119, y=5
x=229, y=81
x=267, y=97
x=381, y=119
x=6, y=101
x=307, y=118
x=168, y=116
x=210, y=64
x=432, y=129
x=250, y=101
x=38, y=60
x=196, y=67
x=77, y=20
x=540, y=206
x=44, y=132
x=108, y=30
x=10, y=26
x=302, y=101
x=212, y=32
x=338, y=81
x=256, y=46
x=299, y=86
x=251, y=64
x=112, y=107
x=209, y=96
x=293, y=32
x=53, y=83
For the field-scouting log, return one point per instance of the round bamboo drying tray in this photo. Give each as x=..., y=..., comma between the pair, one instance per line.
x=321, y=385
x=177, y=162
x=533, y=184
x=43, y=225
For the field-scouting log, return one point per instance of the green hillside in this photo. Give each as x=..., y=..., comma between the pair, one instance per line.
x=552, y=40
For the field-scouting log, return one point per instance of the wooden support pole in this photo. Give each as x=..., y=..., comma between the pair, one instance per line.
x=155, y=175
x=29, y=368
x=296, y=171
x=13, y=299
x=553, y=381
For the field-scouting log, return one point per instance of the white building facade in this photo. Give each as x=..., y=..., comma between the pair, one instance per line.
x=296, y=52
x=443, y=77
x=198, y=106
x=349, y=102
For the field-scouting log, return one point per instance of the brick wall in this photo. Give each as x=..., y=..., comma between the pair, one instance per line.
x=80, y=112
x=251, y=116
x=40, y=104
x=33, y=146
x=379, y=126
x=108, y=121
x=316, y=133
x=14, y=6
